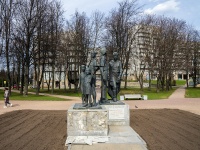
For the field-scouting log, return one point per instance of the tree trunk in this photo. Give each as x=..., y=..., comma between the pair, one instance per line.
x=26, y=80
x=53, y=72
x=8, y=67
x=158, y=84
x=149, y=81
x=187, y=79
x=141, y=82
x=18, y=75
x=126, y=73
x=22, y=80
x=65, y=77
x=126, y=79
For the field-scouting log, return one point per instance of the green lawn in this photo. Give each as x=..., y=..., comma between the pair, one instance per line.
x=180, y=82
x=31, y=97
x=192, y=92
x=152, y=95
x=68, y=92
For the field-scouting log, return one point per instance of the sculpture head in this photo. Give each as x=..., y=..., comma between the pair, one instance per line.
x=88, y=70
x=103, y=51
x=83, y=68
x=115, y=56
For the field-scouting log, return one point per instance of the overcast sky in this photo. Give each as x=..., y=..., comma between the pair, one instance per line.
x=188, y=10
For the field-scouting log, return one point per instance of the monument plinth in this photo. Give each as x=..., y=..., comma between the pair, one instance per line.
x=87, y=122
x=118, y=113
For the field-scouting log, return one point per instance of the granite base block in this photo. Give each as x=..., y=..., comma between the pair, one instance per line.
x=118, y=114
x=87, y=122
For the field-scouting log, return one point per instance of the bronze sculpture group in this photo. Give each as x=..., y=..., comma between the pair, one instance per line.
x=111, y=74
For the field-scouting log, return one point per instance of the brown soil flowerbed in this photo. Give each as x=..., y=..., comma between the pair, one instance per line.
x=162, y=129
x=167, y=129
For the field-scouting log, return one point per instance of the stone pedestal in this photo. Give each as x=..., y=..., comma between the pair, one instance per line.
x=89, y=126
x=87, y=122
x=118, y=114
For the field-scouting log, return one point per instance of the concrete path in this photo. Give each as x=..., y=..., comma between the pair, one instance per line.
x=178, y=94
x=175, y=101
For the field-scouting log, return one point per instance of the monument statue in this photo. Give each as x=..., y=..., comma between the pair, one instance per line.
x=104, y=76
x=114, y=76
x=93, y=67
x=88, y=88
x=110, y=78
x=82, y=82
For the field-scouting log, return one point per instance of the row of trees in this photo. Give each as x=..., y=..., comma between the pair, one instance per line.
x=169, y=46
x=36, y=40
x=30, y=33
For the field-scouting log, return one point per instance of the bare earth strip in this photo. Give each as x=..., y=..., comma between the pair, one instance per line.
x=167, y=129
x=164, y=129
x=38, y=130
x=170, y=124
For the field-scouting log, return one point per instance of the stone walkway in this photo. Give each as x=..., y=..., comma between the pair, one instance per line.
x=175, y=101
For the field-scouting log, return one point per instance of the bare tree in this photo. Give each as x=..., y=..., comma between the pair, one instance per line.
x=78, y=44
x=40, y=44
x=120, y=34
x=56, y=24
x=168, y=32
x=47, y=39
x=186, y=52
x=141, y=53
x=7, y=10
x=96, y=29
x=195, y=57
x=28, y=19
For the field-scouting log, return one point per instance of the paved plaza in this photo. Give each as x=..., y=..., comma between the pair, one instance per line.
x=175, y=101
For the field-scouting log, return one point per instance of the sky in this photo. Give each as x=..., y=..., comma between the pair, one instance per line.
x=187, y=10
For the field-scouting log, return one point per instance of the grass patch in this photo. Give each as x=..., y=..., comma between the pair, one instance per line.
x=131, y=80
x=192, y=92
x=32, y=97
x=152, y=95
x=67, y=92
x=180, y=82
x=152, y=81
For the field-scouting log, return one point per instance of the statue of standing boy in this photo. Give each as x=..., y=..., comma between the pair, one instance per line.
x=82, y=82
x=88, y=88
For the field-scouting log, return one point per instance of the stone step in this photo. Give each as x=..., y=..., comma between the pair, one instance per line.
x=108, y=146
x=119, y=138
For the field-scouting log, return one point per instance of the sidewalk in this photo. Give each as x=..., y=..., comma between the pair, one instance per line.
x=175, y=101
x=179, y=93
